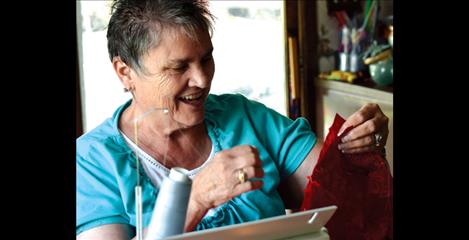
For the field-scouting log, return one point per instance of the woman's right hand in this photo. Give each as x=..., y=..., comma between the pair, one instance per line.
x=219, y=181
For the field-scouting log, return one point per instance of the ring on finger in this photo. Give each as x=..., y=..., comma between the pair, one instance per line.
x=242, y=176
x=378, y=139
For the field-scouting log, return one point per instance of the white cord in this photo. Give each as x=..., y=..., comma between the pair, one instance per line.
x=138, y=207
x=138, y=188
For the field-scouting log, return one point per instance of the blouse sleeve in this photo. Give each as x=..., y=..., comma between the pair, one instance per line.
x=98, y=198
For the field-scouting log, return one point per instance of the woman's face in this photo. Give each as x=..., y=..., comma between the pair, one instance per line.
x=177, y=75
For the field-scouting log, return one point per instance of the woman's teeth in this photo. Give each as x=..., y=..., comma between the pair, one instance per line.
x=191, y=97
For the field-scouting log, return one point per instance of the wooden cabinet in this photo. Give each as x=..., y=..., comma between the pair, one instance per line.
x=343, y=98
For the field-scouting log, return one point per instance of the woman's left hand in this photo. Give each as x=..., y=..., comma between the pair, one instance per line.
x=370, y=130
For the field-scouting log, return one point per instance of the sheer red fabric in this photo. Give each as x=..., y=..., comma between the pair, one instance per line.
x=360, y=185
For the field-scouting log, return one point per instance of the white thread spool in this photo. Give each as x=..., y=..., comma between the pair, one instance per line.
x=169, y=214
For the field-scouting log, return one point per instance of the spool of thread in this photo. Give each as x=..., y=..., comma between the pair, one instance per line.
x=169, y=214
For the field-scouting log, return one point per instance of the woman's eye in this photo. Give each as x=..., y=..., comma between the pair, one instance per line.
x=179, y=69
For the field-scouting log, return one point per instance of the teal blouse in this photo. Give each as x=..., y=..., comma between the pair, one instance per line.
x=106, y=171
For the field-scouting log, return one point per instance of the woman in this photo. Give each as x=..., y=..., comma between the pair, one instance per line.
x=162, y=53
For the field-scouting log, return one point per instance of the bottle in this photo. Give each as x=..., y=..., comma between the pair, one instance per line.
x=169, y=214
x=354, y=61
x=344, y=55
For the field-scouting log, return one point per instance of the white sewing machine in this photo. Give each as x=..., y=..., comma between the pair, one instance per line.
x=301, y=225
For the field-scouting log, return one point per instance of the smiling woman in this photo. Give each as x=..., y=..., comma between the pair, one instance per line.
x=176, y=78
x=236, y=151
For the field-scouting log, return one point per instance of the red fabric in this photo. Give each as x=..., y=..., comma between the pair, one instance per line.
x=360, y=185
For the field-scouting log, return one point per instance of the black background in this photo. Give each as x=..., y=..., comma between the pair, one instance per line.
x=38, y=72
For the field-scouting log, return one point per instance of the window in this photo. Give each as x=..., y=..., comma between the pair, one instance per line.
x=249, y=51
x=101, y=89
x=249, y=56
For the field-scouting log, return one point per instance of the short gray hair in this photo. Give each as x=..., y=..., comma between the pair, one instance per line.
x=136, y=25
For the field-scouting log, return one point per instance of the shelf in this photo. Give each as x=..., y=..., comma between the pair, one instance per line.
x=383, y=94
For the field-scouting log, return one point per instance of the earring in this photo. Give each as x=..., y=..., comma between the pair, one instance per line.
x=126, y=90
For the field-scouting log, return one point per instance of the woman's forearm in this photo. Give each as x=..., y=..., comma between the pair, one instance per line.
x=195, y=213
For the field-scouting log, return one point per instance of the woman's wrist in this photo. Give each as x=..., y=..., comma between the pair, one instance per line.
x=195, y=212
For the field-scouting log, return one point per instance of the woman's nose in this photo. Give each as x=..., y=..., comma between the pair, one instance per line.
x=199, y=78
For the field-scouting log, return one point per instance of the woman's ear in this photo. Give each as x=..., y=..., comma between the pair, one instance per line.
x=123, y=71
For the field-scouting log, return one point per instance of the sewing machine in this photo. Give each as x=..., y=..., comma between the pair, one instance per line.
x=299, y=226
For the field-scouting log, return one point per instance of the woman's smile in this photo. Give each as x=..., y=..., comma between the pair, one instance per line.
x=195, y=99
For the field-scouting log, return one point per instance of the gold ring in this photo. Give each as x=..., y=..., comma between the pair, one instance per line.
x=241, y=175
